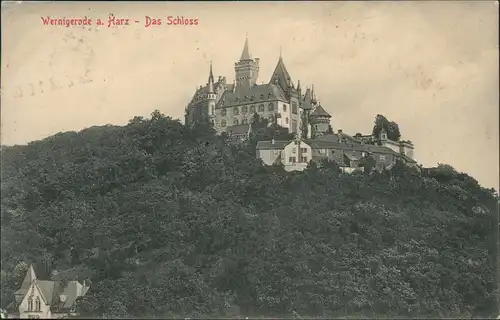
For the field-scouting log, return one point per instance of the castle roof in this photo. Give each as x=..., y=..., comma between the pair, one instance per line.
x=255, y=94
x=281, y=74
x=307, y=105
x=320, y=112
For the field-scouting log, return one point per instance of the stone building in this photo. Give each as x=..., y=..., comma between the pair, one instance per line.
x=280, y=100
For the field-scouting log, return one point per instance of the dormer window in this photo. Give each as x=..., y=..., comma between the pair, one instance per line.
x=262, y=96
x=246, y=98
x=269, y=95
x=252, y=98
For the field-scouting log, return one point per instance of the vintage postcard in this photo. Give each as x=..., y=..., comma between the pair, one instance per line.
x=250, y=159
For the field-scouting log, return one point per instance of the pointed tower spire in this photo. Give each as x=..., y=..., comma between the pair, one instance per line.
x=298, y=85
x=281, y=58
x=313, y=95
x=245, y=55
x=211, y=80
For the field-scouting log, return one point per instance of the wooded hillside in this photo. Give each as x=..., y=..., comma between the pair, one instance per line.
x=169, y=221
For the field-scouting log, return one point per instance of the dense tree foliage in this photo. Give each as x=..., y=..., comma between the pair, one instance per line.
x=390, y=127
x=172, y=221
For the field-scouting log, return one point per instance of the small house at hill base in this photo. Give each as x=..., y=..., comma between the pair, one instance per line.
x=46, y=299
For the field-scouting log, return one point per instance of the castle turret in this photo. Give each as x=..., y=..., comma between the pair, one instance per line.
x=320, y=121
x=247, y=69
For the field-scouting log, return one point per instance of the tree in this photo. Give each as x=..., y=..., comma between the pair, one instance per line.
x=391, y=128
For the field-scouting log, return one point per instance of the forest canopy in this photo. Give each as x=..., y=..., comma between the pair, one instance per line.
x=170, y=221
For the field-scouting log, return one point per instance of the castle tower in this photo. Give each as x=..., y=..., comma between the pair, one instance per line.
x=211, y=96
x=320, y=121
x=247, y=69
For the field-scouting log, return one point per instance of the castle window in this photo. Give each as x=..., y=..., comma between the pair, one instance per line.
x=223, y=123
x=270, y=107
x=30, y=304
x=286, y=120
x=244, y=109
x=236, y=110
x=223, y=112
x=213, y=110
x=37, y=304
x=261, y=108
x=294, y=107
x=235, y=122
x=244, y=121
x=252, y=109
x=284, y=108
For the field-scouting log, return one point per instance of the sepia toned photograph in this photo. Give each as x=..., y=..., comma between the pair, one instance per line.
x=250, y=160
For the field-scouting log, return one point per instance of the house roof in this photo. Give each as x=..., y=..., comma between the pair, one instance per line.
x=238, y=129
x=332, y=142
x=270, y=145
x=258, y=93
x=352, y=155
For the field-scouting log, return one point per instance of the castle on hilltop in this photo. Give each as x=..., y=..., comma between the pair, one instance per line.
x=230, y=109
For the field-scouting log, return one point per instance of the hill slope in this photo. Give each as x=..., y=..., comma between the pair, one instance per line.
x=169, y=221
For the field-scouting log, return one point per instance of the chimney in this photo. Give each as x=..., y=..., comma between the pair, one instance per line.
x=340, y=131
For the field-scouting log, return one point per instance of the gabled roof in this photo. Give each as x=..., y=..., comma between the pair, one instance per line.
x=320, y=112
x=243, y=95
x=280, y=73
x=28, y=280
x=270, y=145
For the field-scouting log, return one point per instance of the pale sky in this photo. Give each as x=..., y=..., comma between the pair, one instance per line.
x=432, y=67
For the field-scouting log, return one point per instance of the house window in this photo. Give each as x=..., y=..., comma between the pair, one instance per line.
x=261, y=108
x=294, y=107
x=270, y=107
x=322, y=151
x=235, y=122
x=303, y=159
x=236, y=110
x=303, y=150
x=284, y=108
x=30, y=304
x=244, y=109
x=292, y=159
x=244, y=121
x=252, y=109
x=382, y=157
x=223, y=123
x=223, y=112
x=294, y=150
x=286, y=120
x=37, y=304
